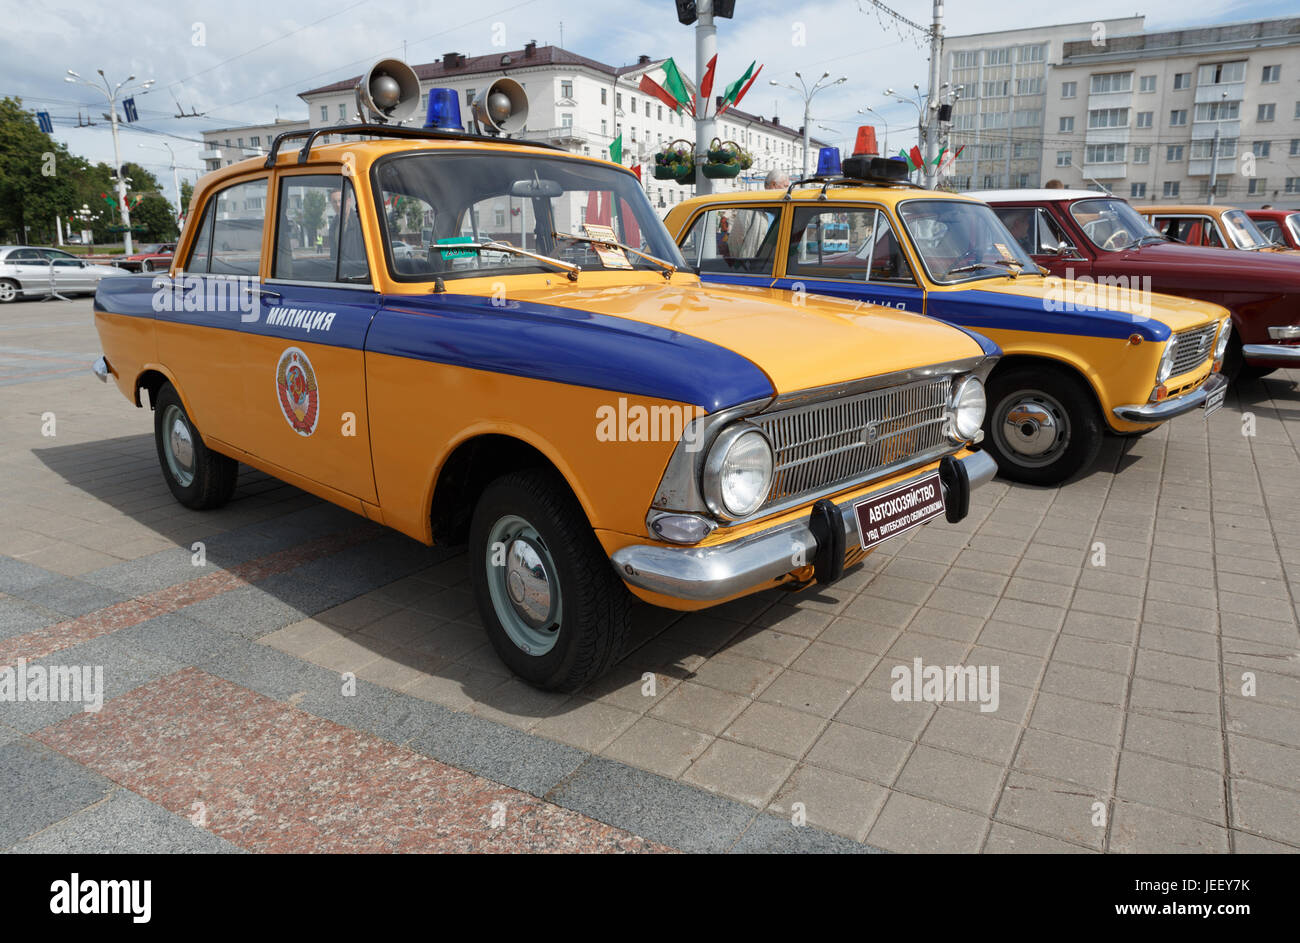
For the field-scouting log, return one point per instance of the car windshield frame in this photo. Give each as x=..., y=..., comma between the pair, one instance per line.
x=1239, y=225
x=1143, y=227
x=1292, y=222
x=991, y=269
x=622, y=183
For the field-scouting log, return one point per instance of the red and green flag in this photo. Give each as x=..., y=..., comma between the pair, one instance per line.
x=918, y=161
x=674, y=85
x=616, y=149
x=654, y=89
x=736, y=90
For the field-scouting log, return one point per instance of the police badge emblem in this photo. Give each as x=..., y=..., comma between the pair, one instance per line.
x=295, y=387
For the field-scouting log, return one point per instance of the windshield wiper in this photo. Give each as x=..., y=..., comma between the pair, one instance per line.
x=1157, y=238
x=568, y=268
x=1013, y=266
x=668, y=267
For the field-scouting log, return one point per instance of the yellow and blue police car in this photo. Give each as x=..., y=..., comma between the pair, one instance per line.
x=1080, y=357
x=475, y=339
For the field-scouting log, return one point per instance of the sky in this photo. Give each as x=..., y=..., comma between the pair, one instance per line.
x=245, y=61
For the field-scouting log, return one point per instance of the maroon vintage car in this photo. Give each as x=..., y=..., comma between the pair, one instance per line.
x=1282, y=226
x=153, y=257
x=1075, y=233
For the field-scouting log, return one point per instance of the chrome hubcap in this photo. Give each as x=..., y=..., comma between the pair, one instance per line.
x=7, y=291
x=523, y=586
x=178, y=446
x=1032, y=428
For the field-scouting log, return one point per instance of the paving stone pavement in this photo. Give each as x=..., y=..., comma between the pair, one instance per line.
x=1142, y=621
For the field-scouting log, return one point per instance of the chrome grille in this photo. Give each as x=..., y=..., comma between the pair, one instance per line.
x=1192, y=348
x=826, y=445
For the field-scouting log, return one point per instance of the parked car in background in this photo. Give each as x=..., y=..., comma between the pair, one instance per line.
x=36, y=271
x=151, y=257
x=1084, y=232
x=1223, y=227
x=1282, y=226
x=1068, y=373
x=594, y=426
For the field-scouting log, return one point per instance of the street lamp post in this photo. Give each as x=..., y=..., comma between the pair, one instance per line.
x=808, y=93
x=176, y=180
x=110, y=93
x=1214, y=153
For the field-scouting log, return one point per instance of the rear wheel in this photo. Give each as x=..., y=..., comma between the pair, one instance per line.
x=198, y=477
x=555, y=611
x=1043, y=424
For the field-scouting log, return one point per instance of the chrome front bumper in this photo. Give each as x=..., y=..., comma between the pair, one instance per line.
x=1168, y=409
x=101, y=369
x=1271, y=352
x=708, y=574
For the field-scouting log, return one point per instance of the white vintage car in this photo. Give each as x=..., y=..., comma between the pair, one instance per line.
x=35, y=271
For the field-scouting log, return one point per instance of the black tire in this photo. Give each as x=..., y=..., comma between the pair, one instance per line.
x=1235, y=367
x=211, y=475
x=1063, y=403
x=592, y=611
x=10, y=290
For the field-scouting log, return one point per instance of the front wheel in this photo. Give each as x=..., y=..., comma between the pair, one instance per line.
x=198, y=477
x=8, y=290
x=1042, y=426
x=555, y=611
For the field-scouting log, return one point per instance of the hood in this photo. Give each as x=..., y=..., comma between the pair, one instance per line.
x=1175, y=266
x=1134, y=307
x=798, y=346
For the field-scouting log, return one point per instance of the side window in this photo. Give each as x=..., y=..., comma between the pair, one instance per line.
x=318, y=231
x=1019, y=221
x=856, y=244
x=24, y=255
x=1212, y=235
x=734, y=239
x=202, y=248
x=237, y=229
x=1050, y=234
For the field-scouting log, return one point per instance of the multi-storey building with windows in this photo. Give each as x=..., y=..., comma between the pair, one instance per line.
x=575, y=102
x=1002, y=82
x=1107, y=105
x=1157, y=102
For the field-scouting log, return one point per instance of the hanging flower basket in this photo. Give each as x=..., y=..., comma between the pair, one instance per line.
x=676, y=162
x=726, y=159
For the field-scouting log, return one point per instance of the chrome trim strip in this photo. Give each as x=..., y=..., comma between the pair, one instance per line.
x=708, y=574
x=1270, y=352
x=1159, y=412
x=351, y=286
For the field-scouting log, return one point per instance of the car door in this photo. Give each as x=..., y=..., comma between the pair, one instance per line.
x=31, y=270
x=734, y=245
x=849, y=252
x=304, y=365
x=1047, y=242
x=202, y=308
x=71, y=276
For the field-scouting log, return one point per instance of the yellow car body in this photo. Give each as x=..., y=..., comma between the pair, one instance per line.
x=1107, y=338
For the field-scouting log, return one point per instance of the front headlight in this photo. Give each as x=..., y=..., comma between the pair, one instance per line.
x=738, y=472
x=1166, y=362
x=968, y=406
x=1225, y=332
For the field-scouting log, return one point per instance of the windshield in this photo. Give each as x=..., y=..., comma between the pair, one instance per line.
x=1243, y=231
x=960, y=241
x=432, y=201
x=1111, y=224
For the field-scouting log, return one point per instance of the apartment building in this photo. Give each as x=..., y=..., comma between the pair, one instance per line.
x=1145, y=111
x=1108, y=105
x=1000, y=81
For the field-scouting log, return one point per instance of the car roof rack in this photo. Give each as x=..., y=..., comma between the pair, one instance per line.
x=385, y=131
x=840, y=181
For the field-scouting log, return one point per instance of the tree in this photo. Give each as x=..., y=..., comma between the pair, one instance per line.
x=156, y=215
x=313, y=213
x=37, y=176
x=187, y=197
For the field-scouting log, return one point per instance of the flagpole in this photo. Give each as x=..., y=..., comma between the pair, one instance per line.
x=706, y=46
